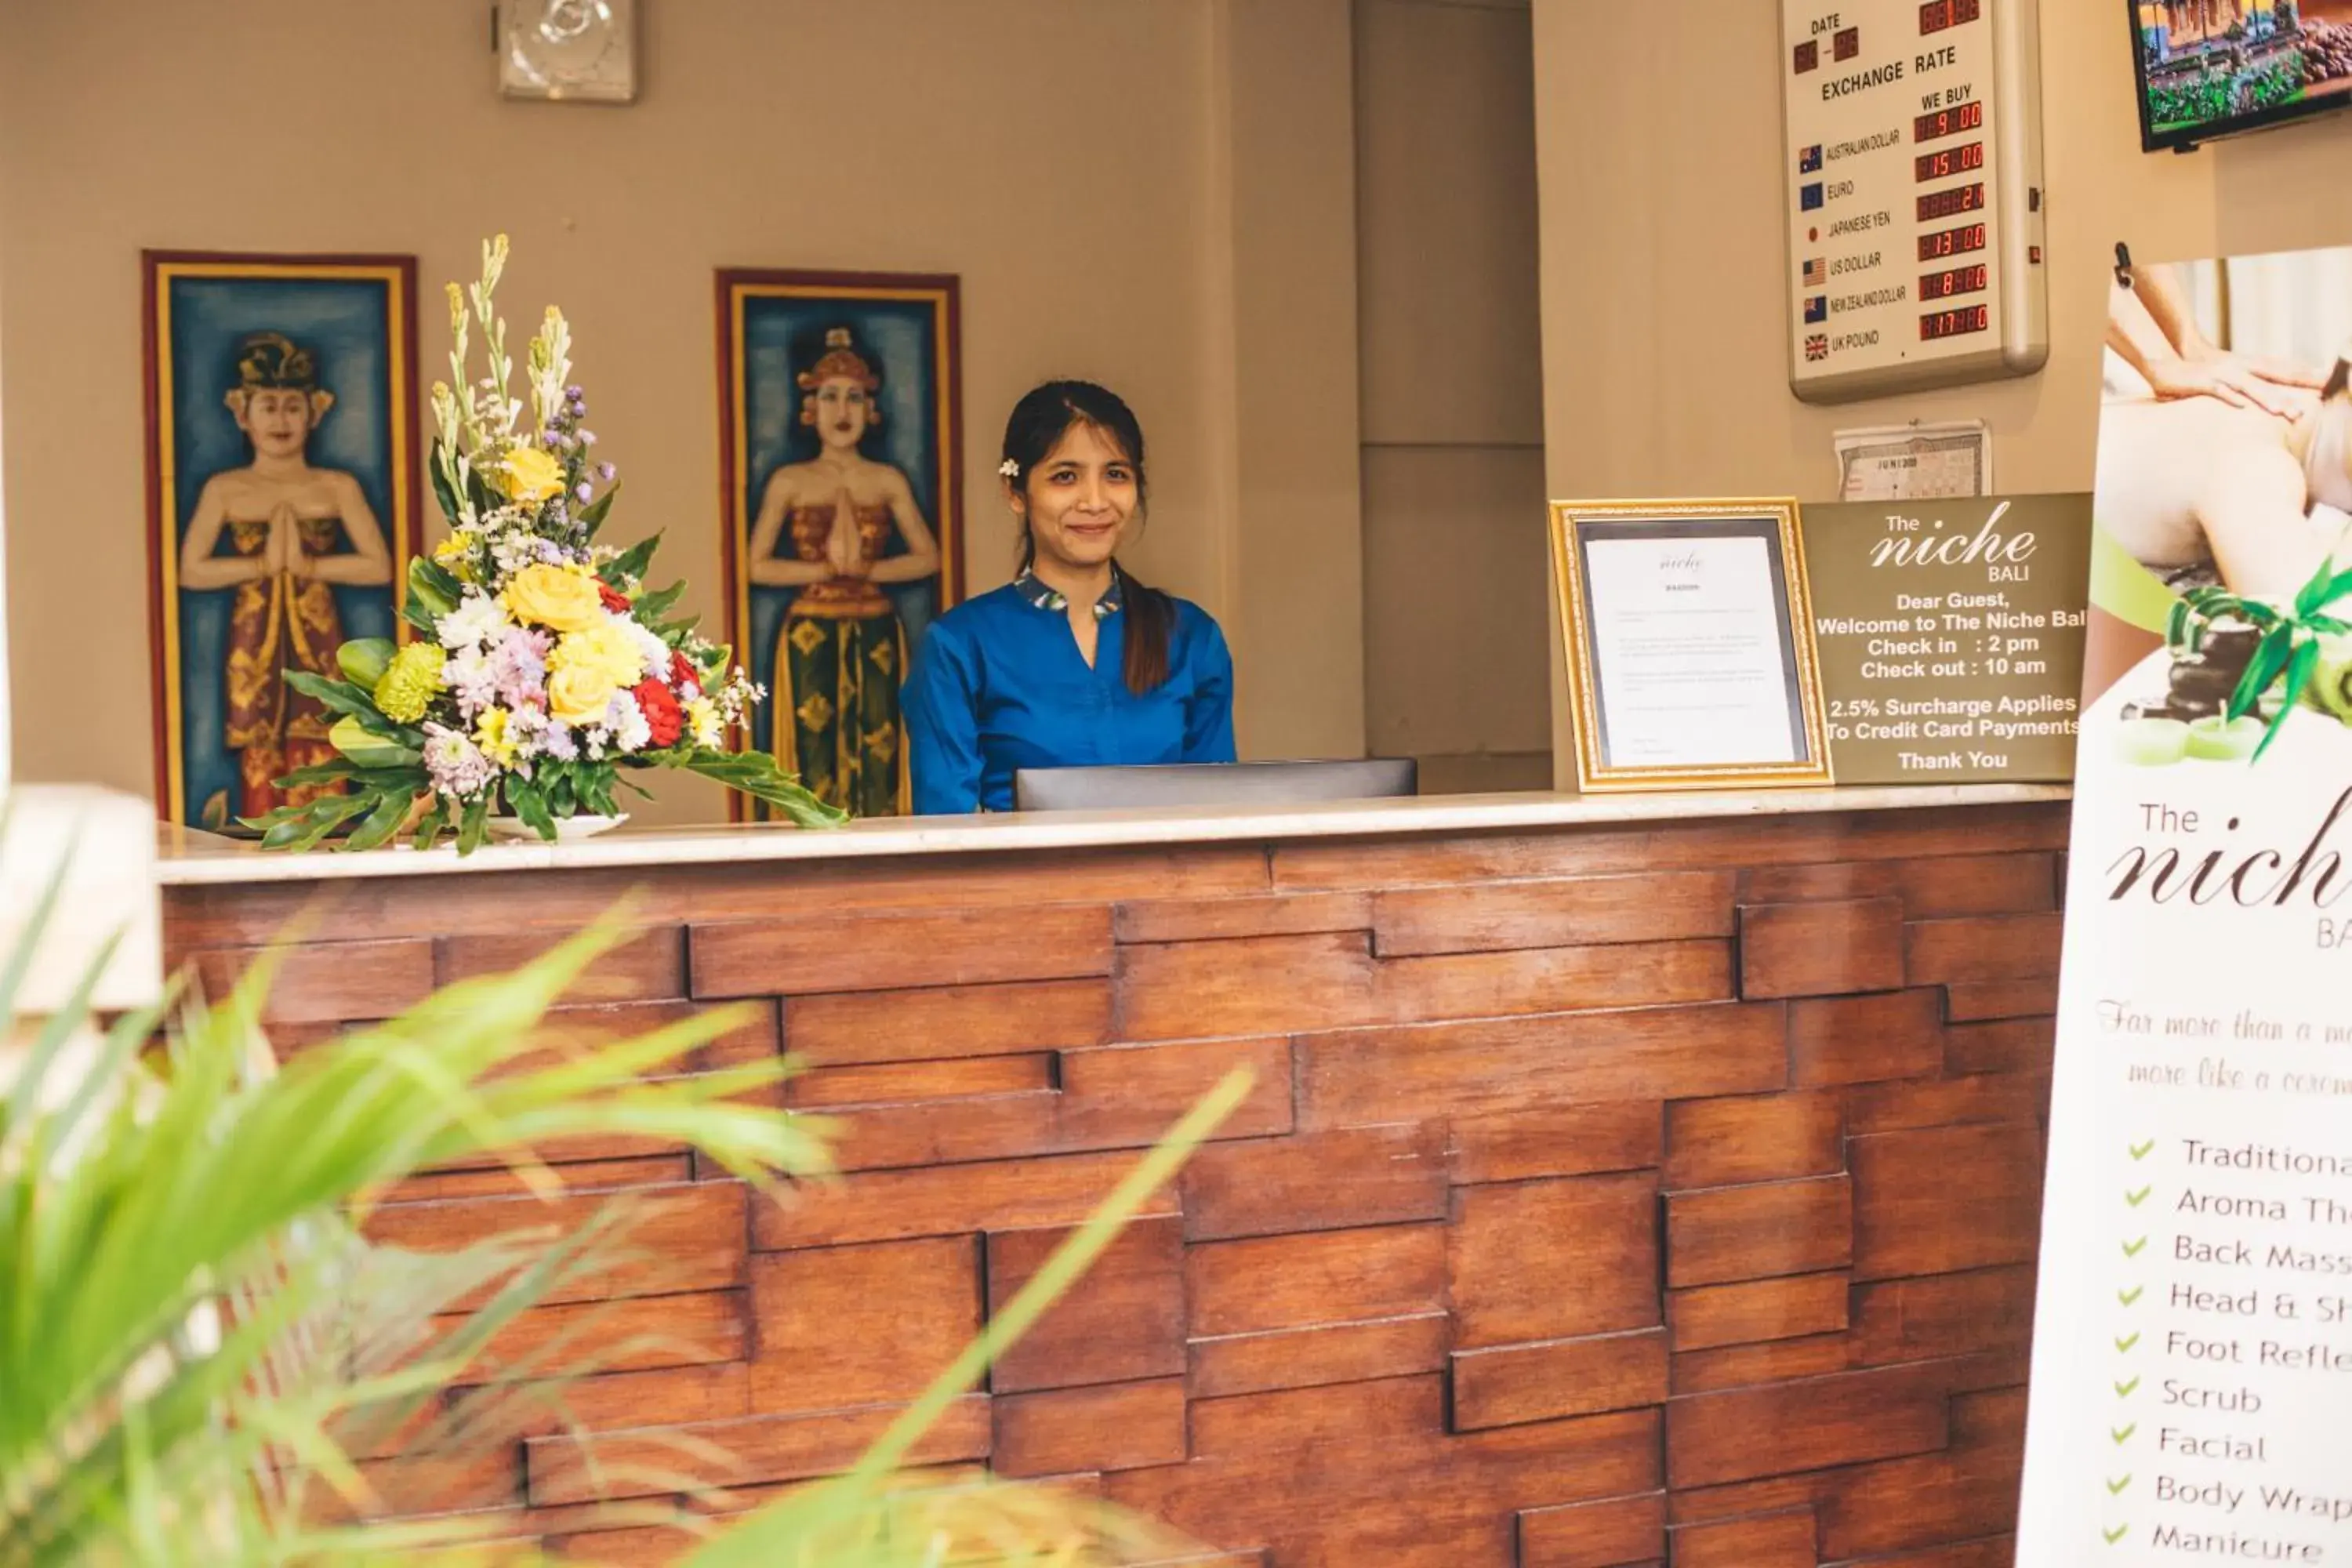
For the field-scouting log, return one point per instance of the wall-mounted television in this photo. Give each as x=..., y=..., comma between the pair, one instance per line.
x=2215, y=68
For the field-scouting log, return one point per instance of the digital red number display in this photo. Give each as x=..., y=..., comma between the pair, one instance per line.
x=1937, y=14
x=1959, y=199
x=1956, y=280
x=1949, y=123
x=1950, y=161
x=1951, y=242
x=1939, y=324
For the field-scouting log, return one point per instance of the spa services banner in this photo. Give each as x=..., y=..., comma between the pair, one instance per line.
x=2193, y=1358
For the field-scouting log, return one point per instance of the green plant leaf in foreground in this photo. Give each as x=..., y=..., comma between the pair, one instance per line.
x=197, y=1342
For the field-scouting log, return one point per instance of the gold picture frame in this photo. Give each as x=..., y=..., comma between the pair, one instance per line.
x=1602, y=764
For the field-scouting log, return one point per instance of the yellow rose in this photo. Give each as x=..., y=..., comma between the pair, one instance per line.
x=532, y=476
x=580, y=695
x=555, y=597
x=605, y=649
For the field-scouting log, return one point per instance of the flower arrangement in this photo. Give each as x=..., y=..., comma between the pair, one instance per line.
x=539, y=670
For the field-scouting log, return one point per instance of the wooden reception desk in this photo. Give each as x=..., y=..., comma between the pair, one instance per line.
x=1625, y=1180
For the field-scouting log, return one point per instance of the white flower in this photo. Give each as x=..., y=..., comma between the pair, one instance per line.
x=627, y=722
x=649, y=644
x=1009, y=469
x=477, y=619
x=470, y=675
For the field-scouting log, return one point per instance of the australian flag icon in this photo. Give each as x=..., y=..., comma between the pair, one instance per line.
x=1809, y=162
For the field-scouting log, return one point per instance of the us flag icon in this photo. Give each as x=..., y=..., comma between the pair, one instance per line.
x=1817, y=273
x=1817, y=347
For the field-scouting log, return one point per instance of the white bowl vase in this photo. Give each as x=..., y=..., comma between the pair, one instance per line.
x=514, y=829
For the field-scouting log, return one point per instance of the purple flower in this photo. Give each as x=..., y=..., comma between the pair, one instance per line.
x=575, y=393
x=606, y=471
x=518, y=667
x=583, y=492
x=587, y=437
x=549, y=551
x=455, y=766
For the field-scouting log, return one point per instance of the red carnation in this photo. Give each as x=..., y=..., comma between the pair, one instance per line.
x=682, y=672
x=661, y=710
x=615, y=601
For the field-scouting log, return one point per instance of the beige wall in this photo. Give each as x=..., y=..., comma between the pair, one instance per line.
x=1073, y=161
x=1664, y=304
x=1452, y=392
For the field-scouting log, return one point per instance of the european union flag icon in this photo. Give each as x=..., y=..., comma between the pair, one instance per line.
x=1809, y=198
x=1817, y=309
x=1809, y=162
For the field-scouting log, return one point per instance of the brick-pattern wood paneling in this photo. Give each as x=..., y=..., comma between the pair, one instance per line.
x=1606, y=1197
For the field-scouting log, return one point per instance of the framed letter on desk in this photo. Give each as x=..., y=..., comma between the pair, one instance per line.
x=1690, y=652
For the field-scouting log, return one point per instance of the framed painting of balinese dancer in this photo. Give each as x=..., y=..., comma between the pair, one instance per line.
x=841, y=463
x=282, y=506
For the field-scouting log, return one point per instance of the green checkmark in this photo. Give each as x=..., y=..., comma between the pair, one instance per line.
x=2126, y=1390
x=2115, y=1487
x=2132, y=1249
x=2142, y=1151
x=2139, y=1197
x=2129, y=1297
x=2122, y=1434
x=2125, y=1344
x=2118, y=1533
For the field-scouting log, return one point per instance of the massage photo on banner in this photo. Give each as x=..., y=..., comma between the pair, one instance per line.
x=2192, y=1235
x=2223, y=490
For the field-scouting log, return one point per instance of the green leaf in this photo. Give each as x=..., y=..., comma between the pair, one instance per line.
x=531, y=806
x=631, y=562
x=356, y=740
x=474, y=827
x=322, y=818
x=433, y=824
x=2314, y=593
x=2298, y=676
x=364, y=659
x=650, y=606
x=2271, y=656
x=432, y=586
x=390, y=811
x=755, y=773
x=440, y=578
x=334, y=771
x=421, y=615
x=340, y=695
x=591, y=516
x=445, y=486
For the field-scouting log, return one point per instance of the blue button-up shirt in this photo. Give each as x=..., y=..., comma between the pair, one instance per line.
x=999, y=685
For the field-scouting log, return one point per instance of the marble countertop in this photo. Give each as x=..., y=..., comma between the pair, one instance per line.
x=187, y=857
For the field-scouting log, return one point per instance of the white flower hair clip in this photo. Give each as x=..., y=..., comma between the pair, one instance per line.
x=1010, y=469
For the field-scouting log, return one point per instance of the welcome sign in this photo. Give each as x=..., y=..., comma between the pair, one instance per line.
x=1951, y=636
x=2192, y=1356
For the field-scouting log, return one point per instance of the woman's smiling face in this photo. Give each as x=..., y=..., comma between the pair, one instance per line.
x=1079, y=500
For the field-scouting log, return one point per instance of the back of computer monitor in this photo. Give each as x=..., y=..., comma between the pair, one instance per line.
x=1213, y=784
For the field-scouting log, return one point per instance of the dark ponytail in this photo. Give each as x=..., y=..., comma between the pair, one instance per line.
x=1036, y=427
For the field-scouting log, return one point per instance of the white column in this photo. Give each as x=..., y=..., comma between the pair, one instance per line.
x=110, y=883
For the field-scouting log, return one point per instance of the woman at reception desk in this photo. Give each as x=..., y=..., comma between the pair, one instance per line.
x=1074, y=662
